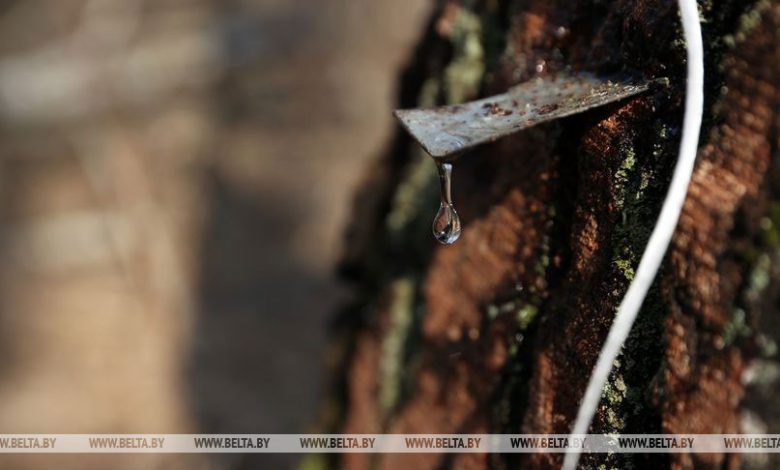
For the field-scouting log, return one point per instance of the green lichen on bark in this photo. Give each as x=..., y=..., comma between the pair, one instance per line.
x=463, y=76
x=392, y=368
x=415, y=196
x=638, y=186
x=747, y=23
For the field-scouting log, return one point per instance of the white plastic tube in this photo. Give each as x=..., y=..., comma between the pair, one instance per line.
x=662, y=233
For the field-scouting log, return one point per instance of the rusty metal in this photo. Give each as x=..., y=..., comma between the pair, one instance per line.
x=449, y=130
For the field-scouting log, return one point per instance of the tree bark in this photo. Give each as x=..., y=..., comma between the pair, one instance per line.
x=499, y=333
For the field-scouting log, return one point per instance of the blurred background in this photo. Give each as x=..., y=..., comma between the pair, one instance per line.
x=175, y=177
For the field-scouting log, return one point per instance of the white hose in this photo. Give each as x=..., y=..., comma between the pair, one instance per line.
x=662, y=233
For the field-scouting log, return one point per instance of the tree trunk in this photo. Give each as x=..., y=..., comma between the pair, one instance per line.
x=499, y=333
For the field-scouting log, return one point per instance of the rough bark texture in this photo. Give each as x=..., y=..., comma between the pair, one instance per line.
x=499, y=332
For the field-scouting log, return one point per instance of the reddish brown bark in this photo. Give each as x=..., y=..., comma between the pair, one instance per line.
x=556, y=218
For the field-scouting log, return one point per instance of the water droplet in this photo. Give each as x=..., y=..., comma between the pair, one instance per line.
x=446, y=224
